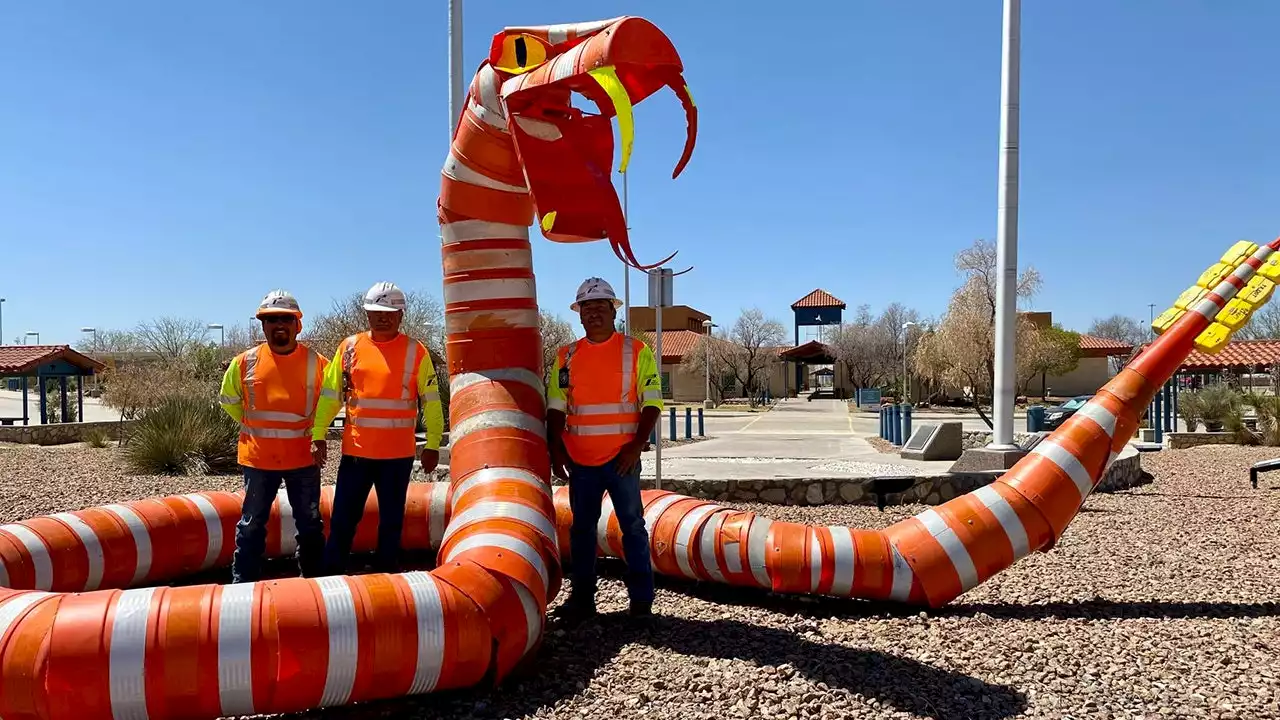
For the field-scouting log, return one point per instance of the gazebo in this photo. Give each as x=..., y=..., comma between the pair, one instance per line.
x=810, y=354
x=20, y=363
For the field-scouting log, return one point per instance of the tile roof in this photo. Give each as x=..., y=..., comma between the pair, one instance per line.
x=818, y=298
x=1094, y=346
x=17, y=359
x=675, y=343
x=1236, y=353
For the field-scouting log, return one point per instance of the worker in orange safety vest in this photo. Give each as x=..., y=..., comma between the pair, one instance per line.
x=381, y=378
x=271, y=390
x=604, y=397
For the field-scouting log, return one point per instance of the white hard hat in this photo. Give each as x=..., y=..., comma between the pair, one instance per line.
x=279, y=302
x=595, y=289
x=384, y=297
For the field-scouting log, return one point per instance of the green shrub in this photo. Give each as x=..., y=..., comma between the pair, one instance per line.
x=97, y=438
x=183, y=436
x=1267, y=410
x=1218, y=404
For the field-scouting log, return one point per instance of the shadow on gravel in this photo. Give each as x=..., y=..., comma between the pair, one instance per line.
x=570, y=658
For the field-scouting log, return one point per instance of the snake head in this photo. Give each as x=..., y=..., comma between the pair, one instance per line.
x=566, y=155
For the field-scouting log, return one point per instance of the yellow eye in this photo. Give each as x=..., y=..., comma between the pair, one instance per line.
x=521, y=53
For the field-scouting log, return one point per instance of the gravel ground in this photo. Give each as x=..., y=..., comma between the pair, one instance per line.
x=1158, y=602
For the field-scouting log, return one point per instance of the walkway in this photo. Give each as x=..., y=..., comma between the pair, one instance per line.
x=799, y=438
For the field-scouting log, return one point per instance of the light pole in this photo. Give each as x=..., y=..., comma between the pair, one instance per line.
x=222, y=333
x=456, y=90
x=1, y=321
x=906, y=379
x=95, y=335
x=706, y=403
x=29, y=334
x=1007, y=233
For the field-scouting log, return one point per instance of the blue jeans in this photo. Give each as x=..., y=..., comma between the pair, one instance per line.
x=587, y=486
x=356, y=477
x=260, y=489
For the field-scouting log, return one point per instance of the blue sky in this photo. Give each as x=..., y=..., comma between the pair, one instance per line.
x=184, y=158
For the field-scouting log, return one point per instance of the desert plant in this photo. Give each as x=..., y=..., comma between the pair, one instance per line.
x=97, y=438
x=1267, y=410
x=1218, y=404
x=183, y=435
x=1190, y=410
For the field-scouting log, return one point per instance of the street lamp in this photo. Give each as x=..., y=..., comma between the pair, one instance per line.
x=222, y=334
x=906, y=378
x=708, y=325
x=29, y=334
x=95, y=334
x=1, y=321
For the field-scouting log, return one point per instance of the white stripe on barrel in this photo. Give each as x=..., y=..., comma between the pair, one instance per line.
x=468, y=230
x=235, y=640
x=212, y=527
x=288, y=526
x=490, y=419
x=36, y=550
x=126, y=664
x=462, y=381
x=1008, y=519
x=952, y=546
x=685, y=535
x=92, y=547
x=141, y=539
x=1068, y=463
x=500, y=510
x=757, y=543
x=506, y=542
x=456, y=169
x=344, y=640
x=902, y=576
x=15, y=606
x=429, y=615
x=489, y=289
x=460, y=322
x=846, y=557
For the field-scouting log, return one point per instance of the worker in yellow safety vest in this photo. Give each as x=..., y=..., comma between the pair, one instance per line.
x=271, y=390
x=380, y=378
x=604, y=398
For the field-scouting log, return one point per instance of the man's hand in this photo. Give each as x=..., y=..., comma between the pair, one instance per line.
x=430, y=458
x=628, y=456
x=319, y=452
x=559, y=460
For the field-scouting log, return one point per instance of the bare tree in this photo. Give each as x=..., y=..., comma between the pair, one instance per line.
x=979, y=262
x=754, y=339
x=863, y=347
x=423, y=320
x=891, y=322
x=1264, y=325
x=171, y=337
x=716, y=353
x=556, y=333
x=1123, y=329
x=108, y=341
x=244, y=336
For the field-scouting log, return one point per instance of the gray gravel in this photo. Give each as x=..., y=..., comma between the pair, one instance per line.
x=1158, y=602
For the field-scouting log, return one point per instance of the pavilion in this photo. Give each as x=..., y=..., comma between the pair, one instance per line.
x=20, y=363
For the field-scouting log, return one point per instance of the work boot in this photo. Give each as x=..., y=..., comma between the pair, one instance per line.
x=577, y=608
x=640, y=609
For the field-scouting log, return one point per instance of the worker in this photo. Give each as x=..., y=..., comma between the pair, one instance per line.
x=381, y=378
x=272, y=390
x=598, y=421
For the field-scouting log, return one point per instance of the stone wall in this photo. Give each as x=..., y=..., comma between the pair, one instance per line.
x=982, y=438
x=1183, y=440
x=59, y=433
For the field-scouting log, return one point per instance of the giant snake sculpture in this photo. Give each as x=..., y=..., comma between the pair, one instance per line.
x=86, y=633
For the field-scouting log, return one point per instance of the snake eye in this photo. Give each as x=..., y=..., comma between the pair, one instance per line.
x=521, y=53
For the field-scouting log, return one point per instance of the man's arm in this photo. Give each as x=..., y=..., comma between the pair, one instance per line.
x=649, y=392
x=229, y=395
x=556, y=421
x=429, y=397
x=330, y=400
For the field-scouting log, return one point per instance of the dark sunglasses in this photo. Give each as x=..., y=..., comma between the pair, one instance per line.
x=277, y=319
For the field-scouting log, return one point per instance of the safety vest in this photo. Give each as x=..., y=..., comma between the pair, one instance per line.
x=278, y=407
x=380, y=394
x=602, y=409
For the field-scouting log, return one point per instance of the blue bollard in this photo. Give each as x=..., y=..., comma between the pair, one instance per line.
x=883, y=435
x=700, y=432
x=1157, y=418
x=895, y=428
x=688, y=423
x=906, y=423
x=673, y=424
x=653, y=436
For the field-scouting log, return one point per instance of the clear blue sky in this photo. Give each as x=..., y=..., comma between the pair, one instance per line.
x=184, y=158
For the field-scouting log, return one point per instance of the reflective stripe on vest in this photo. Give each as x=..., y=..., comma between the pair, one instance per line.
x=404, y=404
x=261, y=426
x=600, y=419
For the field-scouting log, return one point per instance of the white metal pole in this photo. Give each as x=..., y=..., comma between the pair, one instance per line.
x=657, y=350
x=1007, y=233
x=626, y=269
x=456, y=92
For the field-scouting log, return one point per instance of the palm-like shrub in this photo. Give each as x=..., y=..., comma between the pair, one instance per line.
x=183, y=435
x=1219, y=406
